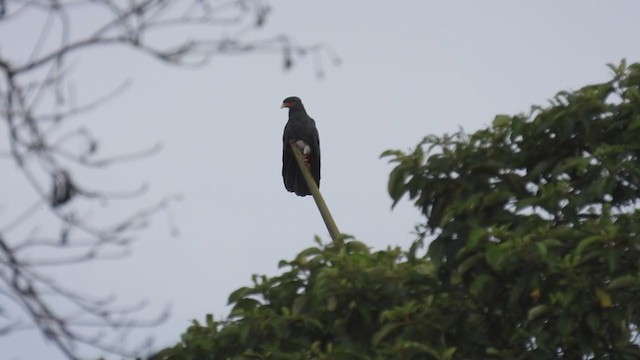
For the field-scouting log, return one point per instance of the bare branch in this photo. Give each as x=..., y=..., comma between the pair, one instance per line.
x=37, y=98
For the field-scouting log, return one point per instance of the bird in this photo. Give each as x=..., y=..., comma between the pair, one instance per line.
x=301, y=130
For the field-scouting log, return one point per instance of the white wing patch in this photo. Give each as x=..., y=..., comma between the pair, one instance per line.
x=306, y=149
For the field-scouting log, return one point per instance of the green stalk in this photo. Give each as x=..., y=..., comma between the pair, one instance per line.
x=322, y=206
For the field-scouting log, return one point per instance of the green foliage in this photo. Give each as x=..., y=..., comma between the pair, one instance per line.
x=533, y=253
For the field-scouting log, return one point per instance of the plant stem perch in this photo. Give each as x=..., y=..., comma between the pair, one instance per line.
x=322, y=206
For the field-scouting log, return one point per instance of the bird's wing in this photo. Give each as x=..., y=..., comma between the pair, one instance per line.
x=288, y=166
x=315, y=154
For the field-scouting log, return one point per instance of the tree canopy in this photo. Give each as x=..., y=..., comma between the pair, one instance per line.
x=533, y=246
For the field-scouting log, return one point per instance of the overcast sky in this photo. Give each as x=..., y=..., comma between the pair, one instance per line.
x=410, y=68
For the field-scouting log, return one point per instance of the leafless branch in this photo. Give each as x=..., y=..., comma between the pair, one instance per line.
x=37, y=97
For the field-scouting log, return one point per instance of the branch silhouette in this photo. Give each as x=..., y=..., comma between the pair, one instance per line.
x=37, y=98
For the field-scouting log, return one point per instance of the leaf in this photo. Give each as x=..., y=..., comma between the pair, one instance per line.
x=565, y=324
x=479, y=283
x=309, y=251
x=496, y=197
x=298, y=305
x=535, y=294
x=243, y=306
x=542, y=249
x=357, y=247
x=635, y=123
x=468, y=263
x=526, y=203
x=501, y=120
x=542, y=167
x=612, y=257
x=619, y=70
x=395, y=153
x=593, y=322
x=426, y=268
x=210, y=322
x=416, y=346
x=537, y=311
x=496, y=254
x=475, y=237
x=243, y=333
x=516, y=292
x=282, y=330
x=396, y=185
x=448, y=354
x=493, y=352
x=238, y=294
x=582, y=245
x=437, y=250
x=311, y=321
x=552, y=242
x=604, y=298
x=381, y=334
x=332, y=303
x=625, y=281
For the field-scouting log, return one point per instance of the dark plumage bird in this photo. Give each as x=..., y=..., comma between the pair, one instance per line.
x=302, y=130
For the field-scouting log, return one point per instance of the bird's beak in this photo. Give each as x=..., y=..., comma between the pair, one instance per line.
x=283, y=106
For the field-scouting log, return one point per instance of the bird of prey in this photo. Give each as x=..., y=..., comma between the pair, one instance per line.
x=301, y=130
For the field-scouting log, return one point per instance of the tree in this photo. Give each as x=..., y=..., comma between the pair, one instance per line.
x=533, y=251
x=36, y=100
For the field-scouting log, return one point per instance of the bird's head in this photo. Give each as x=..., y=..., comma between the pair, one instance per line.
x=293, y=103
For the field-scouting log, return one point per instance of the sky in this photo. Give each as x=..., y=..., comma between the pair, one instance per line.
x=408, y=69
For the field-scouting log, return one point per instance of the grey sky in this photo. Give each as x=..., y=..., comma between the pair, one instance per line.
x=409, y=69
